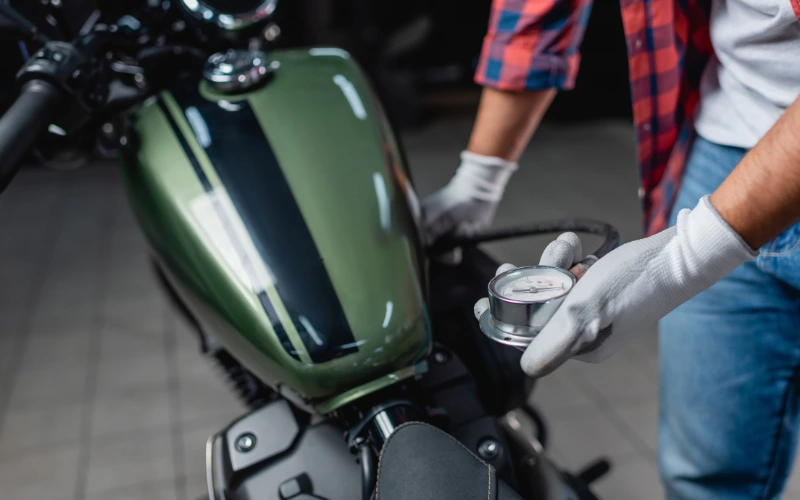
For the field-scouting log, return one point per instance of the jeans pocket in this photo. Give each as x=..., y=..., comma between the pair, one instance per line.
x=781, y=256
x=784, y=245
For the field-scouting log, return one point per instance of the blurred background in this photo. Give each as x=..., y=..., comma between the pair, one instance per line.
x=102, y=392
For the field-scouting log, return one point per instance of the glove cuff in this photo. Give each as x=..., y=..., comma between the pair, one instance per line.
x=716, y=246
x=487, y=161
x=482, y=177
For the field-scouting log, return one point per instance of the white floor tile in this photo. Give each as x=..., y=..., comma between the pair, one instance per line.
x=40, y=428
x=123, y=415
x=559, y=395
x=133, y=461
x=616, y=380
x=586, y=436
x=46, y=387
x=50, y=474
x=642, y=419
x=636, y=479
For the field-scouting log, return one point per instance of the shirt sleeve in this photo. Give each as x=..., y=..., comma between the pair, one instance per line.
x=533, y=44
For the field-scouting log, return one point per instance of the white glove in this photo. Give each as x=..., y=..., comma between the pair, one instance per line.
x=637, y=284
x=468, y=202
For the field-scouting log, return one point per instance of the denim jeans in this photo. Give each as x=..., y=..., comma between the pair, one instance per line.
x=728, y=419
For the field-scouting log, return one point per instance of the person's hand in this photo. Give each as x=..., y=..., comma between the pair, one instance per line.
x=636, y=284
x=467, y=204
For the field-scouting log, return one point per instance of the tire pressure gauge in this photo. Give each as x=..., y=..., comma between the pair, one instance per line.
x=522, y=301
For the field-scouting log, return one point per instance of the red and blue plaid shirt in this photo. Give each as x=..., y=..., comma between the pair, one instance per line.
x=533, y=45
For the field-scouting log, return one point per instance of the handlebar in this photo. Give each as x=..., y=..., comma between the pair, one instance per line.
x=30, y=114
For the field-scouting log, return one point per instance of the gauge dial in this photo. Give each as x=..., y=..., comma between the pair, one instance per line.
x=522, y=301
x=532, y=284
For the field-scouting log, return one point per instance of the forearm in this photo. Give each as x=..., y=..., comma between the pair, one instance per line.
x=506, y=121
x=761, y=197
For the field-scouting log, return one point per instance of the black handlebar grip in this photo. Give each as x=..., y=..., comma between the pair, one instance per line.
x=30, y=114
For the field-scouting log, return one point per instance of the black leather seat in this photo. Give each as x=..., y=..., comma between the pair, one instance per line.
x=421, y=462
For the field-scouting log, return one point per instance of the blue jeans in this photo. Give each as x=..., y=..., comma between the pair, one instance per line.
x=728, y=421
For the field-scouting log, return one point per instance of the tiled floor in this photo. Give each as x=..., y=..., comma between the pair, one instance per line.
x=103, y=394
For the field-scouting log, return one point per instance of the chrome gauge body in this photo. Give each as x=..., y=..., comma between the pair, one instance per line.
x=522, y=301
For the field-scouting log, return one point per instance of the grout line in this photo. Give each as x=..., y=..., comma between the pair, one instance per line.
x=46, y=256
x=619, y=462
x=564, y=413
x=636, y=356
x=173, y=384
x=95, y=346
x=102, y=439
x=572, y=411
x=607, y=408
x=114, y=491
x=622, y=460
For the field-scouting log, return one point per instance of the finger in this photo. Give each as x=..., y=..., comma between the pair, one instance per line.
x=480, y=307
x=552, y=347
x=437, y=222
x=596, y=350
x=504, y=268
x=558, y=253
x=575, y=242
x=579, y=269
x=435, y=229
x=451, y=258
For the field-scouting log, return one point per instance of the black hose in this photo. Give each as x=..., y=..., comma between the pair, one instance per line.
x=609, y=232
x=367, y=459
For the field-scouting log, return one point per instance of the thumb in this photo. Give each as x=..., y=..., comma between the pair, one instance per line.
x=558, y=253
x=552, y=346
x=480, y=307
x=503, y=268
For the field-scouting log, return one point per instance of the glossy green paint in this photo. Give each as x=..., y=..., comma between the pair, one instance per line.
x=344, y=170
x=372, y=386
x=161, y=186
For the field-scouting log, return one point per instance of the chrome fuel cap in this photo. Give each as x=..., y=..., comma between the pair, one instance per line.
x=237, y=71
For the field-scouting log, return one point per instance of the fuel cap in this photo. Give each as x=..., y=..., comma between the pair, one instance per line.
x=237, y=71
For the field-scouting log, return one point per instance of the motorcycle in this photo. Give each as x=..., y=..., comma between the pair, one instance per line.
x=283, y=222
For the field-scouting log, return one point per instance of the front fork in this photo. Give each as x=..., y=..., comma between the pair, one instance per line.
x=368, y=437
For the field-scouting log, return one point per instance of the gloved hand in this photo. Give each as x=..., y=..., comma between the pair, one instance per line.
x=468, y=202
x=634, y=285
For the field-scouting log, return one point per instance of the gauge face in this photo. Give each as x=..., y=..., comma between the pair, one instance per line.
x=522, y=301
x=532, y=284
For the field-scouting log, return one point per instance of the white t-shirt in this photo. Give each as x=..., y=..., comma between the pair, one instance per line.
x=755, y=75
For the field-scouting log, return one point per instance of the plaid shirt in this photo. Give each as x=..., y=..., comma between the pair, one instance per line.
x=533, y=45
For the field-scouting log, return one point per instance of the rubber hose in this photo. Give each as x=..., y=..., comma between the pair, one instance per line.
x=609, y=232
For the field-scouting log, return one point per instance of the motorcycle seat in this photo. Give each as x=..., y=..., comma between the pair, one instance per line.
x=421, y=462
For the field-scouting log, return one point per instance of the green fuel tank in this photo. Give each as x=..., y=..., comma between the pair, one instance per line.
x=285, y=219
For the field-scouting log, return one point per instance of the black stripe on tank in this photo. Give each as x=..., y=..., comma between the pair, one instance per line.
x=185, y=145
x=269, y=309
x=246, y=164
